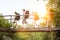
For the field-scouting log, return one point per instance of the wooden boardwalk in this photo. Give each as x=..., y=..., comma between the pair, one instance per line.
x=26, y=29
x=29, y=30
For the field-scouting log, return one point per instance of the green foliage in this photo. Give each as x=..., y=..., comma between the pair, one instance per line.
x=4, y=23
x=31, y=35
x=56, y=18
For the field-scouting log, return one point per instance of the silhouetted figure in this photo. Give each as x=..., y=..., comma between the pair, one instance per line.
x=17, y=17
x=35, y=18
x=26, y=15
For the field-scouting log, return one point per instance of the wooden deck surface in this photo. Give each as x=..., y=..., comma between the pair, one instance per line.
x=29, y=30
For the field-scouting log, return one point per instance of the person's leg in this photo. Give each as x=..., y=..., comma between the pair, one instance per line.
x=34, y=22
x=23, y=22
x=15, y=22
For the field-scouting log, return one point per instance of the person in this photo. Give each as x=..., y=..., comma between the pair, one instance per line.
x=25, y=15
x=49, y=18
x=17, y=18
x=35, y=18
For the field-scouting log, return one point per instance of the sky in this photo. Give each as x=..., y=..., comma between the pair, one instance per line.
x=8, y=7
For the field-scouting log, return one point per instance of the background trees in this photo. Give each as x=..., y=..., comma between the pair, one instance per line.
x=55, y=4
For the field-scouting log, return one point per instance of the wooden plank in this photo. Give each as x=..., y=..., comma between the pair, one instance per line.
x=29, y=30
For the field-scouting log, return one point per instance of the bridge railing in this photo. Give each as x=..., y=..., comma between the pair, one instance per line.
x=46, y=29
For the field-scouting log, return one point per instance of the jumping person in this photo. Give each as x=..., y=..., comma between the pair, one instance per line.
x=17, y=17
x=35, y=18
x=25, y=15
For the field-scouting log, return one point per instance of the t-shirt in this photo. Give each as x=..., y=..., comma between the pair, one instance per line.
x=35, y=16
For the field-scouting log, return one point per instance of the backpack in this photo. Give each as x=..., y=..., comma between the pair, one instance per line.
x=17, y=16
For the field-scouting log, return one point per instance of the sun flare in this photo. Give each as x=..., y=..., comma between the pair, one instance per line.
x=42, y=11
x=41, y=8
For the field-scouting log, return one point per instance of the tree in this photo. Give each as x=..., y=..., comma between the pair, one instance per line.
x=55, y=4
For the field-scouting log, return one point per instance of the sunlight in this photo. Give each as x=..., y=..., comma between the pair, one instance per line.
x=31, y=5
x=42, y=11
x=41, y=8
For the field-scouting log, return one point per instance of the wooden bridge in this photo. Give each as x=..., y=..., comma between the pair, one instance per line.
x=29, y=30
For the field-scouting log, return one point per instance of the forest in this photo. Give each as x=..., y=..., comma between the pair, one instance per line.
x=55, y=16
